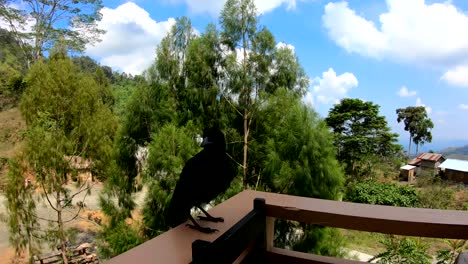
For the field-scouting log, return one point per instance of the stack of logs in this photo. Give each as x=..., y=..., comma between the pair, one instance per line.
x=80, y=254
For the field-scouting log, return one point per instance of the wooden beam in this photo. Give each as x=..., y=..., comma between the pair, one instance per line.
x=372, y=218
x=279, y=255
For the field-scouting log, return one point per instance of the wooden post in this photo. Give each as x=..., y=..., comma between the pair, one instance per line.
x=270, y=232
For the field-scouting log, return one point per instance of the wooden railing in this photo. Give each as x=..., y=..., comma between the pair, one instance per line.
x=247, y=237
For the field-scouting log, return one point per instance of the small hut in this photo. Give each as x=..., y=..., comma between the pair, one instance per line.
x=427, y=162
x=408, y=173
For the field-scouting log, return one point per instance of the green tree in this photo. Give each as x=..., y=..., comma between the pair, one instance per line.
x=299, y=159
x=196, y=82
x=72, y=21
x=67, y=120
x=12, y=64
x=199, y=102
x=168, y=68
x=170, y=148
x=417, y=123
x=260, y=70
x=360, y=134
x=22, y=221
x=239, y=22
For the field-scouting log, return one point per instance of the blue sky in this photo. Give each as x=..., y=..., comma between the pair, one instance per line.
x=395, y=53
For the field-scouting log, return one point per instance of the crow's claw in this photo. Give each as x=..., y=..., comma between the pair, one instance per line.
x=211, y=219
x=202, y=229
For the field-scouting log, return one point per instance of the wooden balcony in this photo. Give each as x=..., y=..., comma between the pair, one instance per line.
x=246, y=236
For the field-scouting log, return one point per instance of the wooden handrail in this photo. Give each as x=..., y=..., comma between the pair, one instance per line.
x=249, y=232
x=372, y=218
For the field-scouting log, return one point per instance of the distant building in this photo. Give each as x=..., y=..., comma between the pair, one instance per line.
x=455, y=170
x=427, y=162
x=408, y=173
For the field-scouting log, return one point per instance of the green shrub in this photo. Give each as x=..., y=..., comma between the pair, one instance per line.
x=403, y=250
x=465, y=206
x=437, y=196
x=448, y=256
x=117, y=240
x=382, y=193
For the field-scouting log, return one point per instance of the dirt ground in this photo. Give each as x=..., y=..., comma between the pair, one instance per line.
x=11, y=127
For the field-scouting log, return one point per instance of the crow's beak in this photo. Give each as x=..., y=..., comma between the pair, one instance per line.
x=205, y=142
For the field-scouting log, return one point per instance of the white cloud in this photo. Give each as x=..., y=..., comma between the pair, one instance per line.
x=457, y=76
x=265, y=6
x=404, y=92
x=130, y=39
x=463, y=106
x=352, y=32
x=330, y=88
x=308, y=99
x=214, y=7
x=413, y=31
x=282, y=45
x=420, y=103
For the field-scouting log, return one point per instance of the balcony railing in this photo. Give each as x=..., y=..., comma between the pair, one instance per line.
x=246, y=236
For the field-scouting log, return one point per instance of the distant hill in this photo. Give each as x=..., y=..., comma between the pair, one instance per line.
x=456, y=152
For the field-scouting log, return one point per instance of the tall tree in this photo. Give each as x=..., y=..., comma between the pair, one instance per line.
x=360, y=132
x=171, y=147
x=239, y=22
x=200, y=101
x=423, y=133
x=168, y=68
x=67, y=121
x=71, y=21
x=417, y=123
x=298, y=158
x=254, y=67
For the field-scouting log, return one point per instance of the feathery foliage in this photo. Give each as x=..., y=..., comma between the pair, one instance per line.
x=67, y=120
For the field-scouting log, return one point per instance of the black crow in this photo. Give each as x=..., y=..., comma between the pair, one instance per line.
x=204, y=176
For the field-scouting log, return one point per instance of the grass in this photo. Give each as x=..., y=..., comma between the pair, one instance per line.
x=365, y=242
x=369, y=243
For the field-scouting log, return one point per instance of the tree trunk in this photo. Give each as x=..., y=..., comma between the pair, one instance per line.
x=409, y=148
x=61, y=231
x=246, y=113
x=246, y=142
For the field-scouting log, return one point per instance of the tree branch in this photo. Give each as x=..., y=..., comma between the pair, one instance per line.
x=47, y=197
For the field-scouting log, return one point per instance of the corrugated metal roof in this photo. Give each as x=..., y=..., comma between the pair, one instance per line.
x=429, y=156
x=408, y=167
x=454, y=164
x=415, y=161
